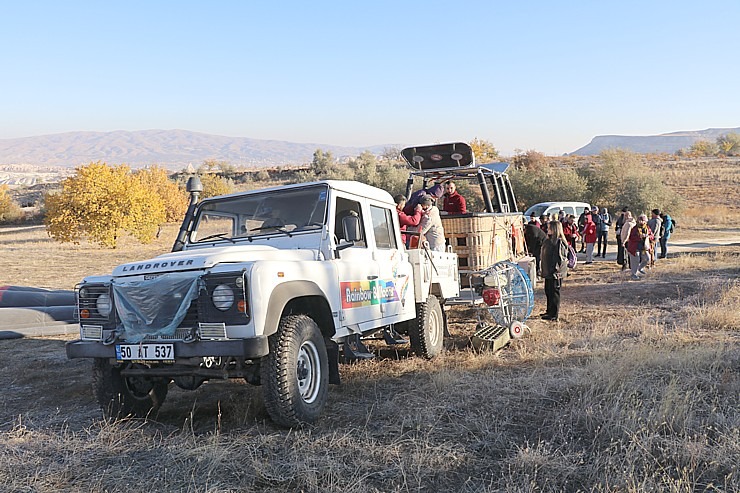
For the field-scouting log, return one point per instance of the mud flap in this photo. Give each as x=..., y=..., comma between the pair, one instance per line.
x=332, y=352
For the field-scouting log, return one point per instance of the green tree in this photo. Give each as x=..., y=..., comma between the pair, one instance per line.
x=323, y=163
x=619, y=178
x=549, y=184
x=101, y=202
x=484, y=151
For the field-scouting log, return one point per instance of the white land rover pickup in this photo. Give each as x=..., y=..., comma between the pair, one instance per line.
x=273, y=286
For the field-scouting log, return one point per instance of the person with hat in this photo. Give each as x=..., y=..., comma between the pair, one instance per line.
x=638, y=246
x=435, y=192
x=430, y=226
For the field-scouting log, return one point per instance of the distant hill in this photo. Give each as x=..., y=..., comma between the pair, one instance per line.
x=169, y=148
x=669, y=143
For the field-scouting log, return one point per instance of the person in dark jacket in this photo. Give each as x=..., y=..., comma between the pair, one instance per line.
x=605, y=221
x=554, y=258
x=534, y=237
x=621, y=260
x=581, y=224
x=435, y=191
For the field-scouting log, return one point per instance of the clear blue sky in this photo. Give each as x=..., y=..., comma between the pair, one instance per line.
x=541, y=75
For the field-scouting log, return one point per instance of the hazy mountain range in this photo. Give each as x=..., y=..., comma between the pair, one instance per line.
x=669, y=143
x=170, y=148
x=176, y=149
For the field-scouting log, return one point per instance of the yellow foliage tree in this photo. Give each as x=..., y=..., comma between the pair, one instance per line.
x=9, y=210
x=484, y=151
x=175, y=199
x=215, y=185
x=99, y=203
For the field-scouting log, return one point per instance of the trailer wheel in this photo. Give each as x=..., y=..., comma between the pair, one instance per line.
x=295, y=374
x=427, y=331
x=121, y=396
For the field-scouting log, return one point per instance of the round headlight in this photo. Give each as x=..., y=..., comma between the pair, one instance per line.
x=83, y=292
x=103, y=305
x=223, y=297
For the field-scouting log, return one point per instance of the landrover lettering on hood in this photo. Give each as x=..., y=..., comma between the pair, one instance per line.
x=167, y=264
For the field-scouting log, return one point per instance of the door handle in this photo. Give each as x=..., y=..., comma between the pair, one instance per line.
x=372, y=278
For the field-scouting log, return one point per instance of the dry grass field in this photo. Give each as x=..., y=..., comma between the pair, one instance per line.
x=636, y=389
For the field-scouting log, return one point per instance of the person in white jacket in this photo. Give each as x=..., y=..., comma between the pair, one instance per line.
x=629, y=223
x=431, y=225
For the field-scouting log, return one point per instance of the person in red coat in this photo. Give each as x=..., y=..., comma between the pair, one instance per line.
x=453, y=203
x=406, y=219
x=589, y=236
x=570, y=230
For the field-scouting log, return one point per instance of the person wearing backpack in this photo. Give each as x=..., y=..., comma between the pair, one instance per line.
x=554, y=266
x=665, y=232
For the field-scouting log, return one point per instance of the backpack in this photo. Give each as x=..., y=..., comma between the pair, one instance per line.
x=673, y=225
x=572, y=257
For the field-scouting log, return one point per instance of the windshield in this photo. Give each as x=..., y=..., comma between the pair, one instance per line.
x=276, y=212
x=536, y=210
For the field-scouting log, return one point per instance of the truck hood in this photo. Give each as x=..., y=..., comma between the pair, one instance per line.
x=207, y=258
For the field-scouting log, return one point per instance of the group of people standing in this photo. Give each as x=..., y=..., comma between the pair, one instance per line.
x=639, y=239
x=420, y=215
x=549, y=241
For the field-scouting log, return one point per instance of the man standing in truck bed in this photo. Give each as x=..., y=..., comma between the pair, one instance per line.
x=453, y=202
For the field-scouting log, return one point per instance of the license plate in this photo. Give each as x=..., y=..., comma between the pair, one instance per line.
x=145, y=352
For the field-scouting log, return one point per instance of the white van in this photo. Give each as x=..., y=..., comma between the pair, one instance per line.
x=552, y=208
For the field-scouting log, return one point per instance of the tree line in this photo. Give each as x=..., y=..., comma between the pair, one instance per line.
x=101, y=202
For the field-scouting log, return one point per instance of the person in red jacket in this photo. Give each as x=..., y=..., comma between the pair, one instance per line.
x=453, y=203
x=589, y=236
x=406, y=219
x=570, y=230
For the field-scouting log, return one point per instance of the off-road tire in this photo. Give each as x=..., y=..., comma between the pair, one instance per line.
x=427, y=331
x=120, y=397
x=295, y=374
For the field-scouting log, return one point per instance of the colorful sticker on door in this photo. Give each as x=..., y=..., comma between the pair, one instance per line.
x=365, y=293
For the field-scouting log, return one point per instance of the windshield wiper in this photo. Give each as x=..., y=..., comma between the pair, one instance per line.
x=280, y=228
x=221, y=236
x=311, y=225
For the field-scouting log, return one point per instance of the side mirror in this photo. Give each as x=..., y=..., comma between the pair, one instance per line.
x=352, y=232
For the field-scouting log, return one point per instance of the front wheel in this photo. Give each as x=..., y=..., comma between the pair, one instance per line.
x=121, y=396
x=427, y=331
x=295, y=374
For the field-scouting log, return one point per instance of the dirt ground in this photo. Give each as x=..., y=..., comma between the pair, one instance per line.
x=43, y=384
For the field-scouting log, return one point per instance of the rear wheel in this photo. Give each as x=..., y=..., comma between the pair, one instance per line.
x=121, y=396
x=427, y=330
x=295, y=374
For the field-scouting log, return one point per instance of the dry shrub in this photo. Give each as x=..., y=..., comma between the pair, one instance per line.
x=703, y=216
x=716, y=305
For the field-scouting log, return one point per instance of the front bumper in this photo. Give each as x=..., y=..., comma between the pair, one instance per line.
x=252, y=348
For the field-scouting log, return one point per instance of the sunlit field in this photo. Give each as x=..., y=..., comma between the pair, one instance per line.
x=636, y=389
